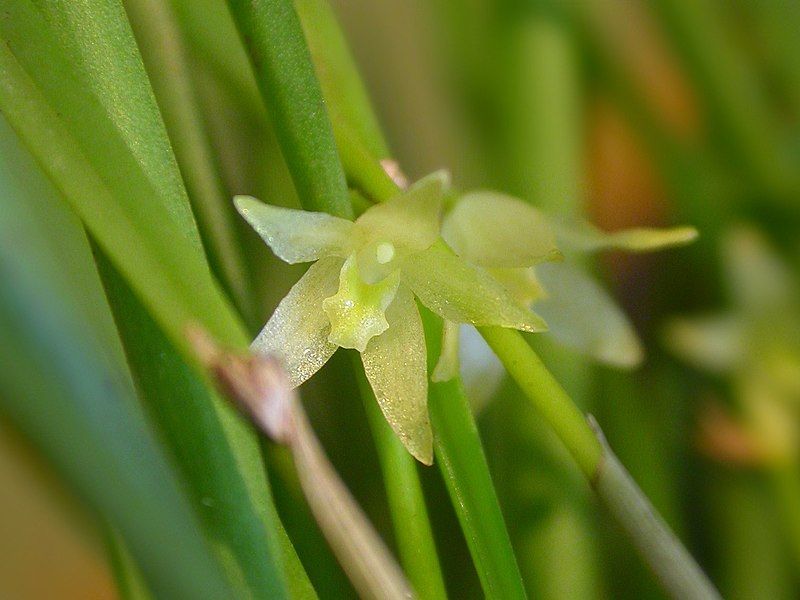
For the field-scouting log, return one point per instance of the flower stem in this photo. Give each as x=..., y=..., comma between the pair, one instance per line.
x=548, y=396
x=459, y=453
x=670, y=561
x=461, y=459
x=406, y=501
x=677, y=571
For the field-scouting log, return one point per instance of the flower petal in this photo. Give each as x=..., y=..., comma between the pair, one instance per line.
x=356, y=312
x=582, y=315
x=717, y=343
x=447, y=366
x=585, y=237
x=410, y=221
x=522, y=283
x=491, y=229
x=460, y=292
x=298, y=330
x=759, y=280
x=395, y=365
x=297, y=236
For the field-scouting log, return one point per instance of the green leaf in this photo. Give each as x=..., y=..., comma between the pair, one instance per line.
x=341, y=83
x=144, y=236
x=65, y=384
x=85, y=156
x=285, y=75
x=167, y=61
x=77, y=50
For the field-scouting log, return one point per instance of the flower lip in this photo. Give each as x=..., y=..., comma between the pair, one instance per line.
x=357, y=310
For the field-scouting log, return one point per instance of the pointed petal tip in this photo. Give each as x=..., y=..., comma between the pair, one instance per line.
x=685, y=234
x=244, y=203
x=422, y=449
x=534, y=324
x=440, y=175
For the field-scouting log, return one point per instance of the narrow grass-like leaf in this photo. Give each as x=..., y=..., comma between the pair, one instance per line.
x=65, y=384
x=83, y=153
x=466, y=473
x=274, y=38
x=260, y=387
x=227, y=480
x=167, y=61
x=341, y=83
x=147, y=244
x=76, y=49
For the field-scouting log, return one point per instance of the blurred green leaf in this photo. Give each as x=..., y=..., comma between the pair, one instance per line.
x=65, y=384
x=151, y=240
x=168, y=65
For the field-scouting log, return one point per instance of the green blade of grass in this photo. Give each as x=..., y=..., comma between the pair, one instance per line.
x=466, y=473
x=96, y=40
x=69, y=133
x=167, y=62
x=412, y=528
x=66, y=385
x=340, y=80
x=272, y=33
x=236, y=509
x=141, y=236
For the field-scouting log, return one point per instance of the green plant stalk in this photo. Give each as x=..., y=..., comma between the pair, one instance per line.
x=274, y=38
x=669, y=560
x=543, y=158
x=167, y=63
x=458, y=445
x=462, y=462
x=547, y=395
x=338, y=75
x=460, y=456
x=406, y=501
